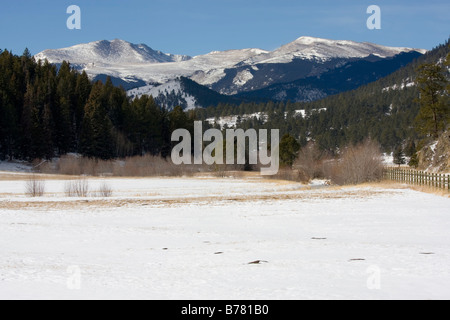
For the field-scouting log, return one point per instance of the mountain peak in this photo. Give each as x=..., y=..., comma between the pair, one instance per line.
x=310, y=40
x=109, y=52
x=324, y=49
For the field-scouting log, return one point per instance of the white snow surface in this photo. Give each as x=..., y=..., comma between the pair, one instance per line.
x=243, y=77
x=232, y=121
x=14, y=166
x=194, y=239
x=122, y=59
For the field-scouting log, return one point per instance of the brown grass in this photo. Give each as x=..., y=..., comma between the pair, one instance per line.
x=387, y=184
x=205, y=201
x=145, y=166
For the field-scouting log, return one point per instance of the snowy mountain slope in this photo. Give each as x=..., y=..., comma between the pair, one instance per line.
x=169, y=94
x=350, y=76
x=109, y=53
x=183, y=92
x=309, y=48
x=227, y=72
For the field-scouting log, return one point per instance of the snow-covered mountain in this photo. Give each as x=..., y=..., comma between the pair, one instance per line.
x=317, y=49
x=349, y=76
x=109, y=53
x=228, y=72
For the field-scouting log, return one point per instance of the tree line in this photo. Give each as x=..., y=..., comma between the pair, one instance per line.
x=398, y=111
x=47, y=111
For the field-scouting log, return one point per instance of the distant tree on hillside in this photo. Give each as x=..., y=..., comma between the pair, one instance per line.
x=399, y=156
x=289, y=148
x=434, y=109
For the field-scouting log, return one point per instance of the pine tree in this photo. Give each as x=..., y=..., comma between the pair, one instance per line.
x=289, y=148
x=82, y=91
x=399, y=156
x=414, y=161
x=96, y=137
x=64, y=113
x=434, y=111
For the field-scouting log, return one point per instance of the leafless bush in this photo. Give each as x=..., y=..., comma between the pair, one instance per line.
x=105, y=190
x=154, y=166
x=138, y=166
x=77, y=188
x=310, y=162
x=358, y=164
x=34, y=187
x=70, y=165
x=145, y=166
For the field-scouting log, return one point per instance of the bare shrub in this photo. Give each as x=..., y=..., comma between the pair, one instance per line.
x=42, y=166
x=77, y=188
x=69, y=165
x=310, y=162
x=105, y=190
x=75, y=165
x=138, y=166
x=358, y=164
x=153, y=166
x=35, y=187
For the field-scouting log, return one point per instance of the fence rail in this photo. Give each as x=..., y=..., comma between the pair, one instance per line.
x=420, y=178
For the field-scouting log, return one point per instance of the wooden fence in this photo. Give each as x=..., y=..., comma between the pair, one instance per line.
x=420, y=178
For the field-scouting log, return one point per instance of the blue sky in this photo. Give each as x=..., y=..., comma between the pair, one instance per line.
x=199, y=26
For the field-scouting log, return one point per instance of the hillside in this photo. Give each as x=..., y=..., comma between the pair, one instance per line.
x=185, y=93
x=347, y=77
x=384, y=110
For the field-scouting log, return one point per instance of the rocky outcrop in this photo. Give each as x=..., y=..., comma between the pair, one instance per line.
x=435, y=157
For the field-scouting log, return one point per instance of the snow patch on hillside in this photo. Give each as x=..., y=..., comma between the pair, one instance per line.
x=14, y=166
x=164, y=92
x=406, y=83
x=243, y=77
x=233, y=120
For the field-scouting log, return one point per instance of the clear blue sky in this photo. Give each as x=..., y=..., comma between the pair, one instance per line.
x=199, y=26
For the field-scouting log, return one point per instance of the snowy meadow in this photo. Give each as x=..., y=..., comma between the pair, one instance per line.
x=210, y=238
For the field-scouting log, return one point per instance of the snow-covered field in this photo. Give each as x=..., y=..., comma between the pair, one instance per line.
x=195, y=239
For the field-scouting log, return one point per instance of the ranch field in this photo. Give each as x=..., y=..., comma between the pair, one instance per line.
x=211, y=238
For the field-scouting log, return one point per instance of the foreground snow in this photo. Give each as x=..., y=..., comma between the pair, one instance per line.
x=195, y=238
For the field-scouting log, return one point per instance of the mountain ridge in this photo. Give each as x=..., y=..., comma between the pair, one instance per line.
x=124, y=60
